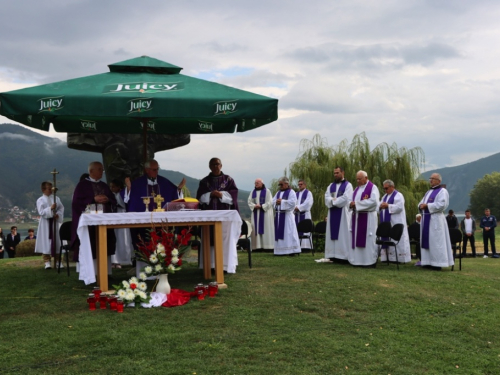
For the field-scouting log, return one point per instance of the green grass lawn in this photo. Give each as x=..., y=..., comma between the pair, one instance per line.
x=287, y=315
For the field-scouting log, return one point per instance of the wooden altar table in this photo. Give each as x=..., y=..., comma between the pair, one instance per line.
x=228, y=221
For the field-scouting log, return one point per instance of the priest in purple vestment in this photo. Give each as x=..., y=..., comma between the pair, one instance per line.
x=217, y=191
x=149, y=185
x=92, y=190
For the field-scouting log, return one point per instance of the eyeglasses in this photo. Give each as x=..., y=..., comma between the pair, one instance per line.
x=433, y=178
x=154, y=169
x=386, y=188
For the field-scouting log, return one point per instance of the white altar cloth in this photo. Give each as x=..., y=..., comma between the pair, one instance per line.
x=231, y=227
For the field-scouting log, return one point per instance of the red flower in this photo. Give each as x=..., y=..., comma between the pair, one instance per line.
x=133, y=286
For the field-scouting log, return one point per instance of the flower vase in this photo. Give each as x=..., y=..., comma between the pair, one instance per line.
x=163, y=286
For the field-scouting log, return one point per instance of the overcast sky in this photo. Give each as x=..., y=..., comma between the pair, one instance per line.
x=418, y=73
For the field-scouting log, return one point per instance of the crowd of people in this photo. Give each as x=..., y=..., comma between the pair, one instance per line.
x=354, y=215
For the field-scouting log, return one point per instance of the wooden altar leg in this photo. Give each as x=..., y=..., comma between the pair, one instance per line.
x=219, y=255
x=102, y=257
x=207, y=274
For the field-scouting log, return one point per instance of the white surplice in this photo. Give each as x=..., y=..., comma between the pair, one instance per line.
x=43, y=242
x=266, y=240
x=290, y=243
x=124, y=247
x=306, y=208
x=366, y=256
x=440, y=253
x=339, y=249
x=398, y=216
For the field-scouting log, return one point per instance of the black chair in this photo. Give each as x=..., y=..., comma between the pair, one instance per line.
x=414, y=234
x=319, y=232
x=456, y=242
x=64, y=235
x=245, y=242
x=392, y=239
x=306, y=227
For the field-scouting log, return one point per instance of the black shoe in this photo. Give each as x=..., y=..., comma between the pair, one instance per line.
x=495, y=256
x=434, y=268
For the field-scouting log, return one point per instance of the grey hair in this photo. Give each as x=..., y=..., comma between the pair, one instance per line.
x=259, y=179
x=388, y=182
x=439, y=177
x=418, y=215
x=284, y=179
x=148, y=163
x=363, y=173
x=92, y=164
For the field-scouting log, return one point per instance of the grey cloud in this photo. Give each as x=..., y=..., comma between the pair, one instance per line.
x=221, y=48
x=260, y=78
x=377, y=56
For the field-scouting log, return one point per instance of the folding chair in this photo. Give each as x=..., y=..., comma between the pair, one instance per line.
x=392, y=239
x=306, y=226
x=414, y=234
x=319, y=232
x=244, y=242
x=64, y=235
x=456, y=241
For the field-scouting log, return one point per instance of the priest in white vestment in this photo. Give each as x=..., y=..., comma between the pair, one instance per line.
x=286, y=240
x=435, y=245
x=364, y=206
x=338, y=195
x=260, y=202
x=302, y=211
x=48, y=211
x=392, y=209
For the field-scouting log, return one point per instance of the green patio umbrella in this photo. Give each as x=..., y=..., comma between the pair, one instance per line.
x=137, y=96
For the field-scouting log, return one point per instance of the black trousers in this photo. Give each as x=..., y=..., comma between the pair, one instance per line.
x=472, y=241
x=489, y=235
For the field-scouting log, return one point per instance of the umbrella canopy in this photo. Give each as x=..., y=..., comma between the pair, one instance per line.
x=137, y=95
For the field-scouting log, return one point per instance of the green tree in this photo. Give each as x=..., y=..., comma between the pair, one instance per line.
x=486, y=194
x=317, y=160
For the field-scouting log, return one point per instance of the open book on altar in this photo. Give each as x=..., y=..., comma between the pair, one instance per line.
x=182, y=204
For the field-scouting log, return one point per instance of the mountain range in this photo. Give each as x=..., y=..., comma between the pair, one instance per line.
x=28, y=158
x=460, y=180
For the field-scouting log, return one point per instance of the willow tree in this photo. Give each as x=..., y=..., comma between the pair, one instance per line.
x=317, y=160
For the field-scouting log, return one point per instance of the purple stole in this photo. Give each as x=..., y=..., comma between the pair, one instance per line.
x=336, y=212
x=426, y=217
x=385, y=215
x=262, y=200
x=301, y=215
x=360, y=240
x=279, y=218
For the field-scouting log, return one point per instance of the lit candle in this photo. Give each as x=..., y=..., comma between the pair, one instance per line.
x=91, y=301
x=119, y=305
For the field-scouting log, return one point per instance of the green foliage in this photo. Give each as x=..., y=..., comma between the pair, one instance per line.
x=317, y=160
x=486, y=194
